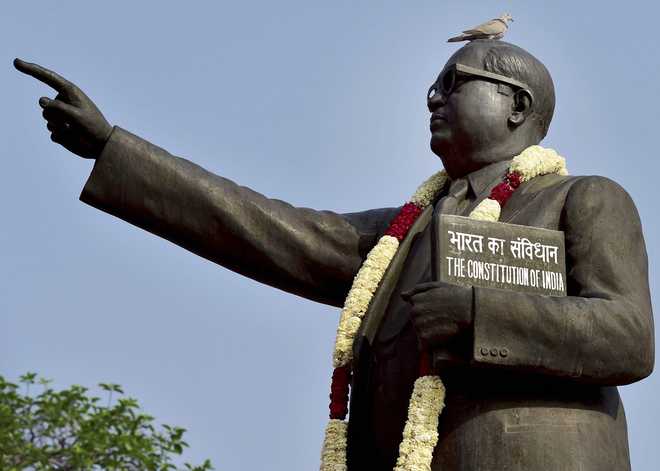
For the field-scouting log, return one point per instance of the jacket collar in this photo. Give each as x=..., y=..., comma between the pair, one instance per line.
x=486, y=178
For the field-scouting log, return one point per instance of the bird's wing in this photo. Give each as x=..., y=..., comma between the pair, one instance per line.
x=489, y=27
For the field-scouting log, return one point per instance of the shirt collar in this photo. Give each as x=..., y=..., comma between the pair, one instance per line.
x=486, y=178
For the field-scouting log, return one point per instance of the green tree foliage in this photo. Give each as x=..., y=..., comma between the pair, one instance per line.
x=75, y=431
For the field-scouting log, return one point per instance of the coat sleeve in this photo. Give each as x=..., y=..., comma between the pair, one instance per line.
x=602, y=332
x=314, y=254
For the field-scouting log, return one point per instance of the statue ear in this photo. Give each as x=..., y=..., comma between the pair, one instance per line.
x=523, y=103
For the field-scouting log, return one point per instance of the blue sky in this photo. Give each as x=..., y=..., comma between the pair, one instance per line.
x=321, y=104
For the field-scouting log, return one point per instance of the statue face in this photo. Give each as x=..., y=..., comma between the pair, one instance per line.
x=469, y=122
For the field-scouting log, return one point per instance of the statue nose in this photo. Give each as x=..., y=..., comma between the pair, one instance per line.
x=436, y=101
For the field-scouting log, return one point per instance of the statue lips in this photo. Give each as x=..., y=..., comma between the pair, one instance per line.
x=437, y=121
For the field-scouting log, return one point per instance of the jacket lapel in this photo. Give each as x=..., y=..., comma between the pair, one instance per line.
x=527, y=194
x=376, y=310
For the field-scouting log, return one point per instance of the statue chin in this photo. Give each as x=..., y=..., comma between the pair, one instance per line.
x=442, y=147
x=439, y=142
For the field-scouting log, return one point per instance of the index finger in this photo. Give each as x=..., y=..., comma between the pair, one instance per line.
x=44, y=75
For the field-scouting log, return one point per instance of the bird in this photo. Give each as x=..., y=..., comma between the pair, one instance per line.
x=493, y=29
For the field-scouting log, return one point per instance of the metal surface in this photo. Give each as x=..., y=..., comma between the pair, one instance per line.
x=530, y=378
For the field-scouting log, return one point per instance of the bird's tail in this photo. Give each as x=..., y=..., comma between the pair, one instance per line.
x=456, y=39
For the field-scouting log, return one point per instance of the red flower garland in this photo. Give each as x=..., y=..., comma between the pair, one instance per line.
x=424, y=367
x=403, y=221
x=514, y=179
x=341, y=378
x=398, y=228
x=502, y=192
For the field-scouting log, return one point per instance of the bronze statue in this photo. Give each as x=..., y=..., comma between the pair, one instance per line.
x=531, y=380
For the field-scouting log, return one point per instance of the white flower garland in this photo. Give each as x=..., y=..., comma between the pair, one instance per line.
x=530, y=163
x=536, y=161
x=487, y=210
x=371, y=273
x=333, y=455
x=420, y=434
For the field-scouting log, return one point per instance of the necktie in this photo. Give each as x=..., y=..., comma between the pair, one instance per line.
x=455, y=199
x=453, y=203
x=420, y=263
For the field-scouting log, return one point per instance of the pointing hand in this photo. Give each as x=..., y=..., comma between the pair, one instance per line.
x=72, y=118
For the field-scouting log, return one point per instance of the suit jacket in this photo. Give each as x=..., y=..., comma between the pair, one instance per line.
x=539, y=392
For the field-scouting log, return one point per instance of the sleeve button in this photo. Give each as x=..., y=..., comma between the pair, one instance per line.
x=484, y=351
x=493, y=352
x=504, y=352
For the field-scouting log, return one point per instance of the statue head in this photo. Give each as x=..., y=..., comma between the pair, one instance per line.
x=491, y=100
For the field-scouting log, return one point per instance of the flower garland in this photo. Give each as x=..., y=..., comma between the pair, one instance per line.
x=420, y=434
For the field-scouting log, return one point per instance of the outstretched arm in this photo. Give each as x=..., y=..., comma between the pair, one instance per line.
x=314, y=254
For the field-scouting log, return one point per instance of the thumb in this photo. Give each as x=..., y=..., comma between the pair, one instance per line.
x=408, y=295
x=420, y=288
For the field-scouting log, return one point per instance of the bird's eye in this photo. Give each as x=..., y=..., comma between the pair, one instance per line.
x=432, y=92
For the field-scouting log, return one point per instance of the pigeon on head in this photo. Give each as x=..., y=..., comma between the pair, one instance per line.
x=493, y=29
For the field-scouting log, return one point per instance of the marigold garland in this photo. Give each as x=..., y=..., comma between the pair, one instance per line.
x=420, y=434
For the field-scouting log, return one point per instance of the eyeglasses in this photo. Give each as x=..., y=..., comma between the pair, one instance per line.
x=446, y=83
